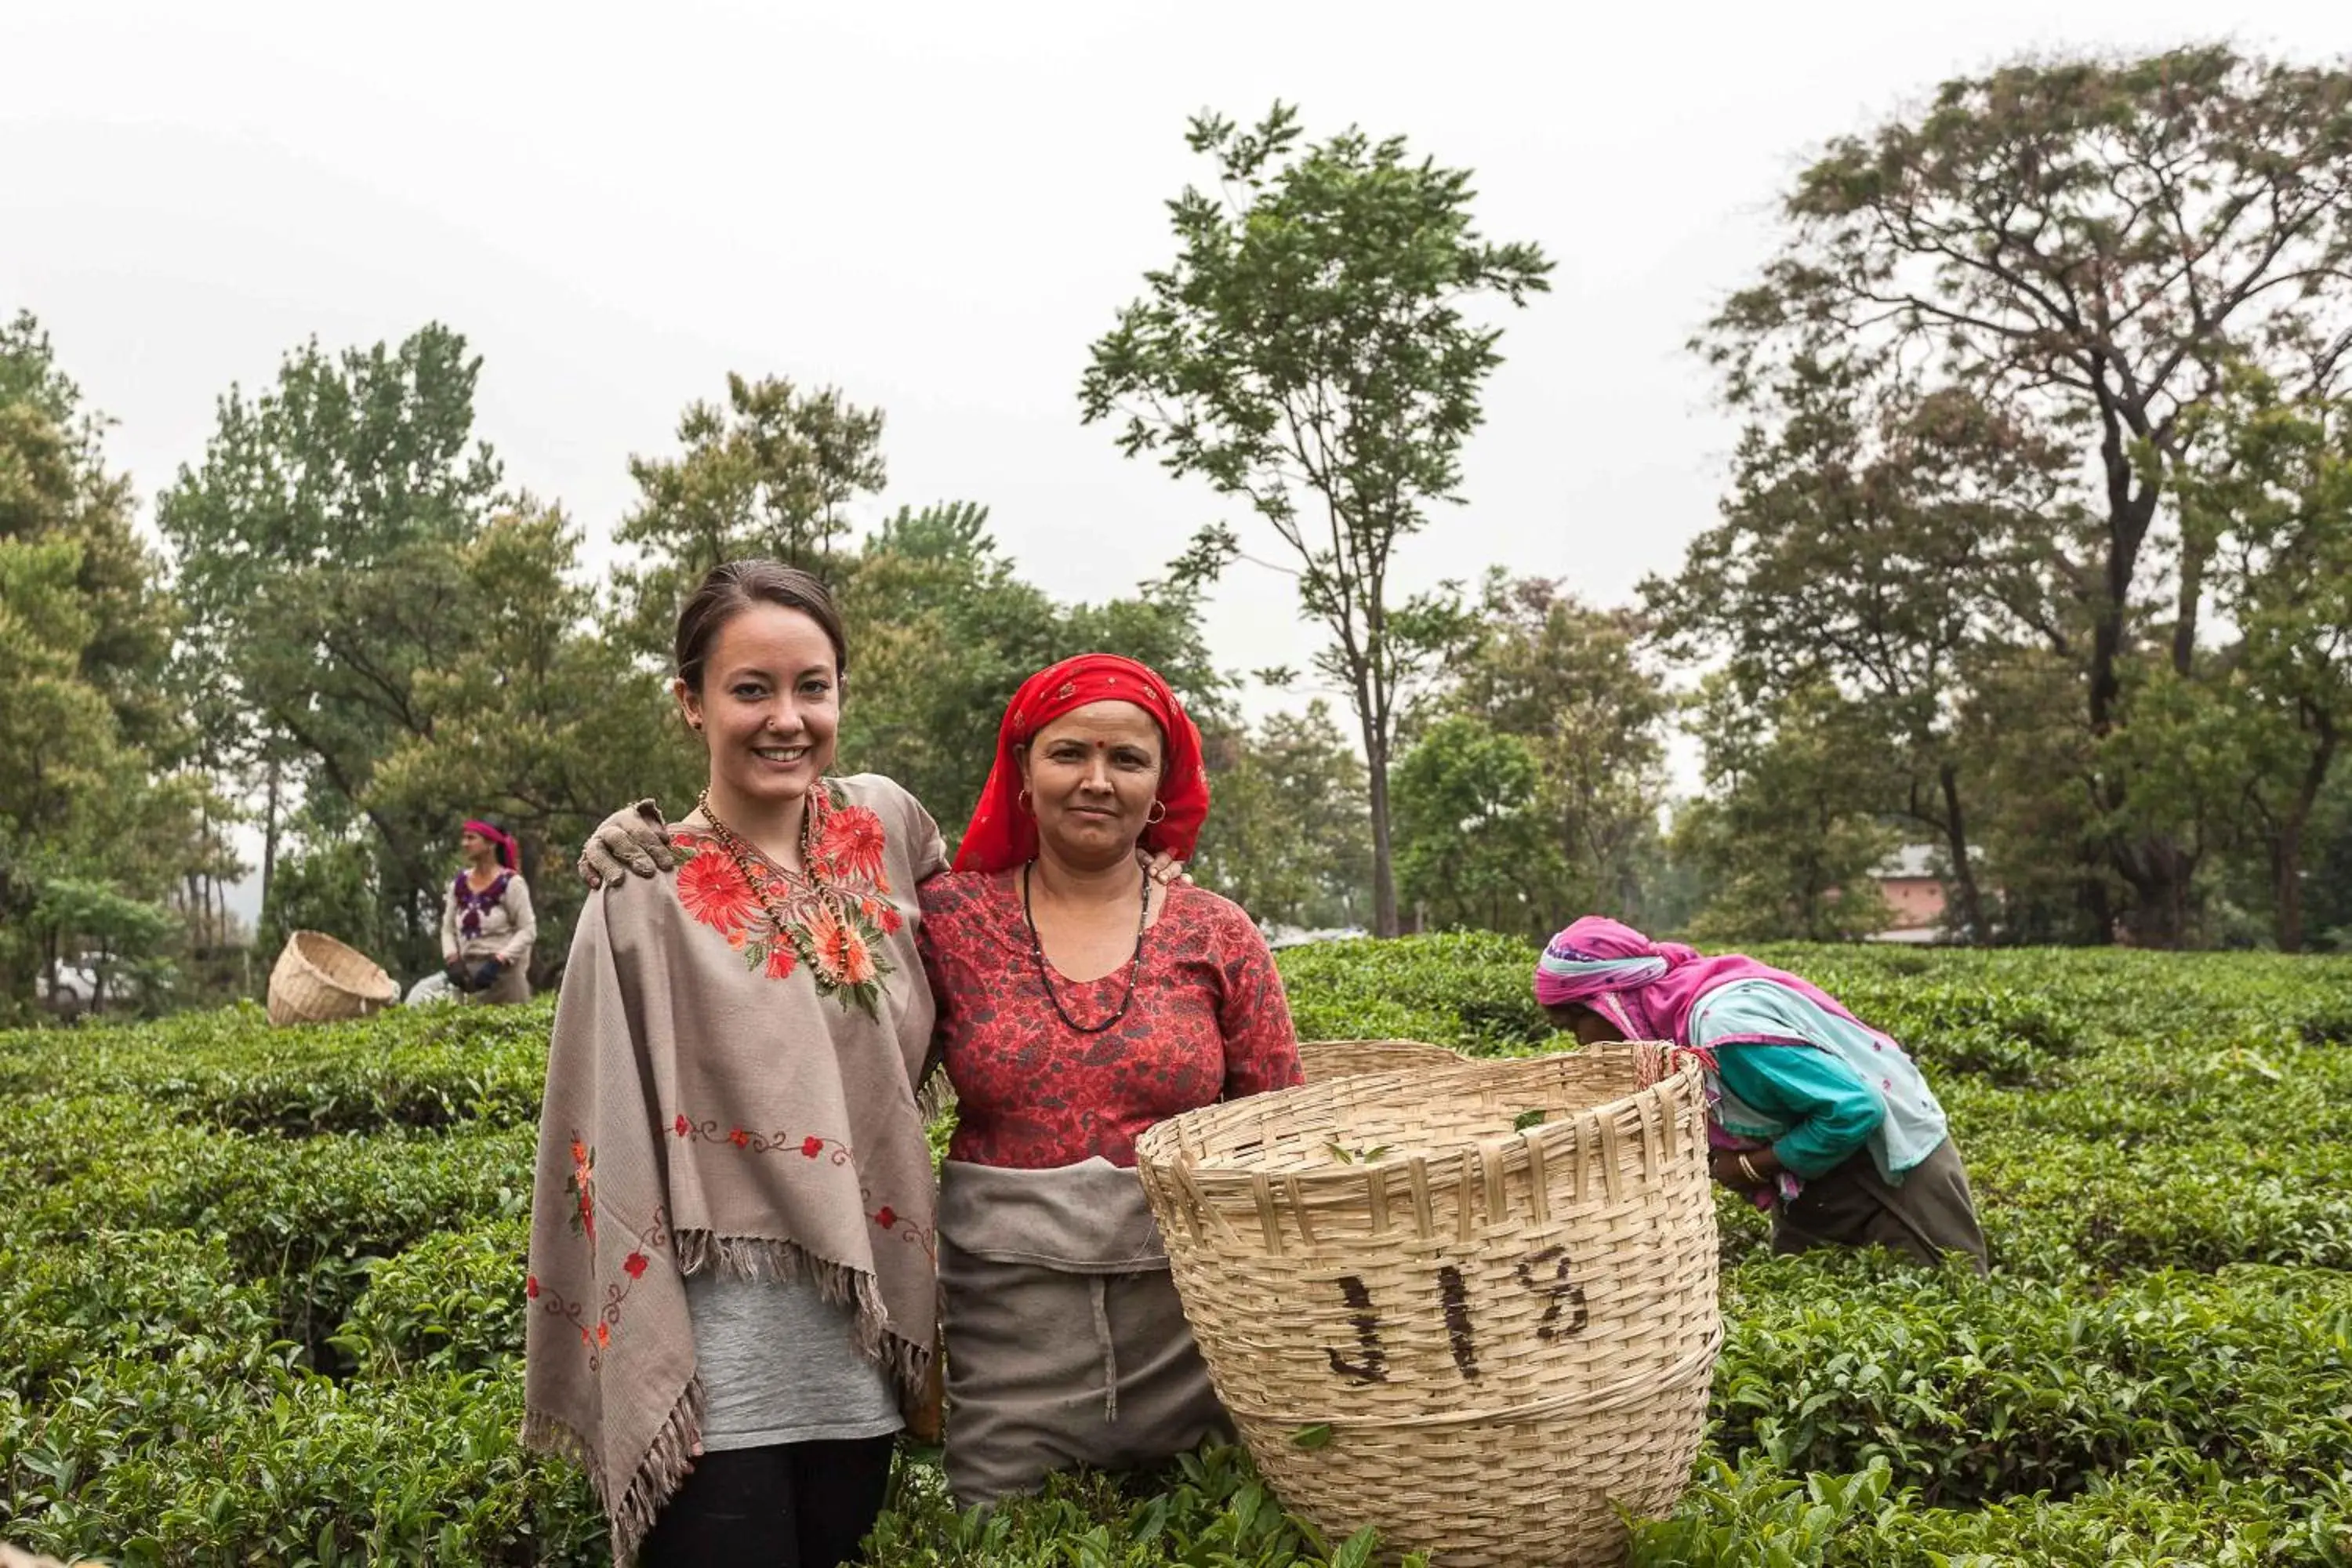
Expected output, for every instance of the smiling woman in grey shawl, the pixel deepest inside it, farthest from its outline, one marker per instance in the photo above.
(733, 1261)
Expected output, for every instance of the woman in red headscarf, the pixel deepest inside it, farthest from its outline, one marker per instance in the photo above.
(1080, 1000)
(487, 926)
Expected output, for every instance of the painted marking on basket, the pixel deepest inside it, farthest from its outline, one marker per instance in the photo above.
(1374, 1367)
(1456, 1300)
(1544, 1274)
(1560, 1288)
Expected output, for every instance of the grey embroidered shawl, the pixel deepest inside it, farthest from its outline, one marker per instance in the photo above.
(731, 1089)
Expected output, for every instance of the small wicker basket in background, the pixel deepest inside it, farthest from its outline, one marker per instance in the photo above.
(1323, 1061)
(318, 979)
(1428, 1311)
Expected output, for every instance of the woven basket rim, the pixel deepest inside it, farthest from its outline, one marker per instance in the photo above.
(1385, 1040)
(1161, 1146)
(1323, 1061)
(371, 982)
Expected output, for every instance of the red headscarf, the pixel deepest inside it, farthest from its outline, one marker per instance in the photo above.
(1004, 832)
(501, 842)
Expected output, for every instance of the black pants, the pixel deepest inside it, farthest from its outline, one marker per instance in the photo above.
(798, 1505)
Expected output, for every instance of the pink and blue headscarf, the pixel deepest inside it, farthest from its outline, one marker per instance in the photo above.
(1648, 989)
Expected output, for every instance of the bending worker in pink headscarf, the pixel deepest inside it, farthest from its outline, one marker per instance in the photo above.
(1812, 1112)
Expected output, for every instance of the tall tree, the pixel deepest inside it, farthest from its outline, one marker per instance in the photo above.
(1290, 839)
(943, 632)
(1787, 834)
(97, 824)
(2328, 902)
(2028, 758)
(542, 721)
(57, 486)
(1475, 842)
(1885, 543)
(2082, 245)
(58, 744)
(1308, 351)
(1571, 682)
(773, 473)
(317, 554)
(2267, 496)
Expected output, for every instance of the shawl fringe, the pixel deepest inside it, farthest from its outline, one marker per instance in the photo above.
(655, 1479)
(767, 1257)
(935, 1097)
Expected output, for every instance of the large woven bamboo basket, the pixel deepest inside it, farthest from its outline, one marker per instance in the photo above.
(1482, 1338)
(1323, 1061)
(318, 979)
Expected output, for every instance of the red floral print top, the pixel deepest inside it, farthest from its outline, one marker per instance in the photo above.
(1208, 1021)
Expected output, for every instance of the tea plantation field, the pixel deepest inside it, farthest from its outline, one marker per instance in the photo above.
(260, 1292)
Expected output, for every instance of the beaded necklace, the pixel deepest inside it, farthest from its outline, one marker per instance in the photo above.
(739, 852)
(1045, 975)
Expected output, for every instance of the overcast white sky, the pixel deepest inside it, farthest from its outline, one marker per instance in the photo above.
(938, 208)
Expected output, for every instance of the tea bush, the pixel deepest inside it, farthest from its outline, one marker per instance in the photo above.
(307, 1217)
(430, 1068)
(303, 1470)
(259, 1292)
(446, 1304)
(1471, 990)
(1208, 1507)
(145, 1295)
(1757, 1515)
(2011, 1038)
(1976, 1391)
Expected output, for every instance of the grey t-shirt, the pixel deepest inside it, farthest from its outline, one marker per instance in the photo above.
(778, 1364)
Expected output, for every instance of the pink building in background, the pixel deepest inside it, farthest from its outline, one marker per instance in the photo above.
(1912, 889)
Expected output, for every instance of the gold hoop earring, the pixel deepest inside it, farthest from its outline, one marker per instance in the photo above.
(1161, 807)
(1021, 803)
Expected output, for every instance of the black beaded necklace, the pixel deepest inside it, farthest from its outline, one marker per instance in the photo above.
(1045, 975)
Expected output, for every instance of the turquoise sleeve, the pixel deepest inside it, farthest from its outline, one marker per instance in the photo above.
(1832, 1110)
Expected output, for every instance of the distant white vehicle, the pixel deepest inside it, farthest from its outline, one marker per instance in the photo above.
(73, 992)
(1278, 937)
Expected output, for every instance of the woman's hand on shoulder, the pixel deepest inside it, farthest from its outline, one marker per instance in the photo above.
(631, 842)
(1164, 868)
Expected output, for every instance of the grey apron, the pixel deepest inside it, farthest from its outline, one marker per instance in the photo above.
(1066, 1343)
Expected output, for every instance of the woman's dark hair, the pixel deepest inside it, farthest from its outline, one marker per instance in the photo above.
(734, 586)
